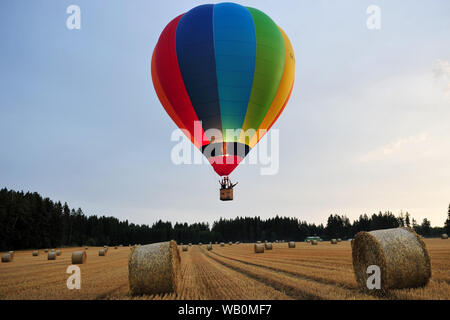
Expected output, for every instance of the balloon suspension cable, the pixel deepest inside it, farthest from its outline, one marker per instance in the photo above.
(226, 183)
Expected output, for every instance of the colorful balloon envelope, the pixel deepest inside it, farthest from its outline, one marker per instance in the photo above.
(224, 73)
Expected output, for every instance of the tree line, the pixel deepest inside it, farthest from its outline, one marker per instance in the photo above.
(27, 220)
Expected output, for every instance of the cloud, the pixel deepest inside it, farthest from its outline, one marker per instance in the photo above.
(403, 148)
(441, 71)
(441, 68)
(390, 148)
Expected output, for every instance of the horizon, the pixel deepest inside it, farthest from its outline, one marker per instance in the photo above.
(366, 129)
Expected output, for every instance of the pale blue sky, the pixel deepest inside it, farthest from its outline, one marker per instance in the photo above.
(367, 127)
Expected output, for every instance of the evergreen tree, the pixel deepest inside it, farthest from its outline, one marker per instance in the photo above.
(407, 221)
(425, 227)
(401, 219)
(447, 222)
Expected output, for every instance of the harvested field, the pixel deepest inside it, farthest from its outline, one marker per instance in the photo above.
(229, 272)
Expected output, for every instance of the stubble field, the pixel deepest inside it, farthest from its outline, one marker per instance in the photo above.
(232, 272)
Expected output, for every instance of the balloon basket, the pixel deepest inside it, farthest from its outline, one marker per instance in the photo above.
(226, 194)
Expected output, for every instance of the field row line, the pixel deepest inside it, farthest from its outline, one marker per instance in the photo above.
(294, 286)
(292, 273)
(277, 285)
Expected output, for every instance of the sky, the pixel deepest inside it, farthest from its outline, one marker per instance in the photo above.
(367, 128)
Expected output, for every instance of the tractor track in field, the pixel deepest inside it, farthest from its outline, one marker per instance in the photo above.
(330, 266)
(293, 274)
(213, 280)
(294, 286)
(288, 290)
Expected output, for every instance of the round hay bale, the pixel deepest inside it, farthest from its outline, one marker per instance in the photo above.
(7, 257)
(237, 242)
(11, 253)
(259, 248)
(268, 246)
(102, 252)
(444, 236)
(400, 254)
(230, 243)
(209, 247)
(339, 239)
(35, 253)
(154, 269)
(291, 244)
(45, 250)
(58, 252)
(334, 241)
(258, 241)
(222, 244)
(190, 244)
(79, 257)
(185, 248)
(200, 244)
(51, 255)
(314, 242)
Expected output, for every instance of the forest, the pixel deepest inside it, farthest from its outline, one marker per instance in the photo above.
(28, 220)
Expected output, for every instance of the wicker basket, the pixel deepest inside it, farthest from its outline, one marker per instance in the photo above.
(226, 194)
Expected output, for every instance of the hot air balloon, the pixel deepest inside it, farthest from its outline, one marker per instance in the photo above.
(224, 73)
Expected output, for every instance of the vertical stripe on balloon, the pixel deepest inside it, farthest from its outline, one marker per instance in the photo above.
(235, 54)
(196, 58)
(269, 66)
(283, 92)
(169, 84)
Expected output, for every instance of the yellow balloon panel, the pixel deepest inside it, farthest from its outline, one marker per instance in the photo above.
(281, 97)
